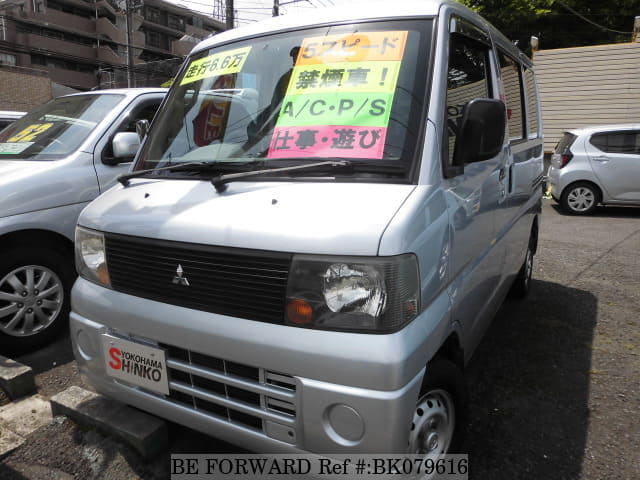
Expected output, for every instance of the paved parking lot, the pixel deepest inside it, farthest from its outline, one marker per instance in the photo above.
(554, 386)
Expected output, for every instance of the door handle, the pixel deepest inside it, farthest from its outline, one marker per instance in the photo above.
(601, 159)
(503, 190)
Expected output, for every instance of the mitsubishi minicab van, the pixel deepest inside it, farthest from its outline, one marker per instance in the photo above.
(53, 162)
(320, 225)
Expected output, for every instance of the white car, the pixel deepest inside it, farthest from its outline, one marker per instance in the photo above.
(596, 165)
(7, 117)
(53, 162)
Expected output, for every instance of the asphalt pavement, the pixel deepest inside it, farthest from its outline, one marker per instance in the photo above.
(554, 386)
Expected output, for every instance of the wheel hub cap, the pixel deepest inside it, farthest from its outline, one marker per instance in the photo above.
(581, 199)
(433, 423)
(432, 441)
(31, 298)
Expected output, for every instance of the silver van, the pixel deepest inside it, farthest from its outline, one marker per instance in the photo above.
(319, 227)
(53, 162)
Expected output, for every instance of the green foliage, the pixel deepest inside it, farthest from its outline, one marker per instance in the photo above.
(556, 25)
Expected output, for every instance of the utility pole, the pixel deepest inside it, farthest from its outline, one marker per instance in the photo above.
(131, 81)
(230, 18)
(276, 8)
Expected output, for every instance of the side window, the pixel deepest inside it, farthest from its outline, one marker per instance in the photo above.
(143, 111)
(617, 142)
(512, 82)
(599, 140)
(532, 105)
(467, 78)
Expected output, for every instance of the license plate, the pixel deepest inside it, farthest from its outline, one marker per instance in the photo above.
(136, 363)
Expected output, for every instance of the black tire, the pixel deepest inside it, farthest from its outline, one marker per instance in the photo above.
(580, 198)
(48, 310)
(522, 283)
(433, 410)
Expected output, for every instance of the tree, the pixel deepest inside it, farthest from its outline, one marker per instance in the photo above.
(560, 23)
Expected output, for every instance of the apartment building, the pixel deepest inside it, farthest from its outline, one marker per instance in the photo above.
(83, 43)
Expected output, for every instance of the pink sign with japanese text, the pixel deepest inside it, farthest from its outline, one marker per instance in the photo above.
(339, 97)
(328, 141)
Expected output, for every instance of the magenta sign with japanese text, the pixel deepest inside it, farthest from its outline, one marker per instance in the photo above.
(339, 97)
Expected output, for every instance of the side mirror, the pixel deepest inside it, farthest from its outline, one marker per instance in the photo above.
(142, 127)
(125, 146)
(481, 131)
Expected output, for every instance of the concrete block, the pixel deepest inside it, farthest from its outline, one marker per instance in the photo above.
(26, 415)
(16, 379)
(9, 441)
(143, 432)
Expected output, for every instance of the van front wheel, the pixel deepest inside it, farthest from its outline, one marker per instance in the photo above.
(439, 418)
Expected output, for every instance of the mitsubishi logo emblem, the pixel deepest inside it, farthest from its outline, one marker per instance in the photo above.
(179, 279)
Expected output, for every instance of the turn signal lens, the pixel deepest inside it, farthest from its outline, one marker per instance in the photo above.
(300, 312)
(103, 274)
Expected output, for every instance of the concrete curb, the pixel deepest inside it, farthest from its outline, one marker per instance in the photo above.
(16, 379)
(145, 433)
(9, 441)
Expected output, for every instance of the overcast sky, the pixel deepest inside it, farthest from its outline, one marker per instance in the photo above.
(251, 10)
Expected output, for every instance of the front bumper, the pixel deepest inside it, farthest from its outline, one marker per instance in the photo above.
(292, 414)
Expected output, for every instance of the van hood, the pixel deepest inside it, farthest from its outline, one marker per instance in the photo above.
(28, 186)
(297, 217)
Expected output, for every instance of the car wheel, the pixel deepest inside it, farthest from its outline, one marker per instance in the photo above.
(522, 283)
(439, 419)
(580, 198)
(35, 287)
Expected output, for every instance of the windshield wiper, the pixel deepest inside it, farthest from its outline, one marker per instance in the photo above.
(187, 167)
(124, 179)
(220, 182)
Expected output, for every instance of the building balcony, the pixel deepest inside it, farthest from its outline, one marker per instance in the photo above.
(47, 45)
(197, 32)
(109, 30)
(68, 21)
(88, 5)
(162, 28)
(181, 47)
(107, 55)
(70, 78)
(107, 6)
(112, 32)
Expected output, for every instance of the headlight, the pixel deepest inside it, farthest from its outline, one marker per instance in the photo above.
(91, 259)
(372, 294)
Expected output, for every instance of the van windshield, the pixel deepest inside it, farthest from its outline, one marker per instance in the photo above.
(352, 91)
(55, 129)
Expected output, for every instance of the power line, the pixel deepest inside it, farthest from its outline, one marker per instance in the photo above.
(602, 27)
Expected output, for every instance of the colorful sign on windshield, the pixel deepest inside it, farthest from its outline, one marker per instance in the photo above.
(223, 63)
(30, 133)
(26, 137)
(338, 100)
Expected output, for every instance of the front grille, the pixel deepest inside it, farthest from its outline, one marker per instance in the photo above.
(249, 284)
(230, 391)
